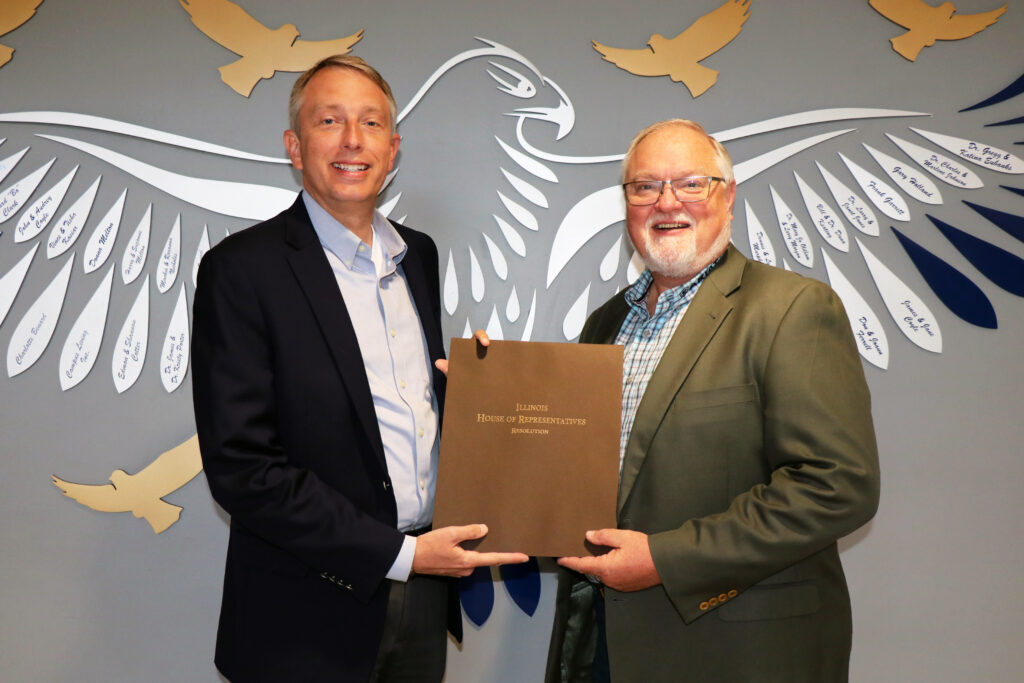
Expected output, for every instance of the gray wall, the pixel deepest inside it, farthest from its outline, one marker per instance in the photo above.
(88, 596)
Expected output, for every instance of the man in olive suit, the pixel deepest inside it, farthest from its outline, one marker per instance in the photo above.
(747, 451)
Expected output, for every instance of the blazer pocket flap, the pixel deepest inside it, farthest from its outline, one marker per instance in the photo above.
(775, 601)
(744, 393)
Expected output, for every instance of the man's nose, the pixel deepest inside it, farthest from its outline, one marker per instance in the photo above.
(667, 200)
(352, 136)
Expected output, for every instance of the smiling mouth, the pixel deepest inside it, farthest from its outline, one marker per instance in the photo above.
(671, 226)
(350, 167)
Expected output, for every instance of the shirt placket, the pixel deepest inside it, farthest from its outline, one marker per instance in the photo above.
(408, 377)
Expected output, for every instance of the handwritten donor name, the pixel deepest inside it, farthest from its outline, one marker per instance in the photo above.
(81, 355)
(174, 358)
(867, 337)
(915, 321)
(35, 220)
(885, 198)
(34, 332)
(102, 240)
(989, 156)
(794, 235)
(858, 214)
(949, 171)
(901, 174)
(131, 350)
(761, 248)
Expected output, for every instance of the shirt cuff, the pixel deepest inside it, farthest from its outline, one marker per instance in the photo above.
(401, 568)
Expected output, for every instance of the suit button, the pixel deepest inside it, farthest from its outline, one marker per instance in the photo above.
(713, 601)
(723, 597)
(733, 593)
(704, 606)
(386, 485)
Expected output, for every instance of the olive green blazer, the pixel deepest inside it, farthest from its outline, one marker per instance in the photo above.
(752, 452)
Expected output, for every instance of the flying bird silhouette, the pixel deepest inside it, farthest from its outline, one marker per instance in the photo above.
(14, 13)
(263, 51)
(927, 24)
(141, 493)
(678, 57)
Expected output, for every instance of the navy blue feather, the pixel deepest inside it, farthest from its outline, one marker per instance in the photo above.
(954, 289)
(995, 263)
(1012, 90)
(477, 594)
(522, 581)
(1009, 222)
(1008, 122)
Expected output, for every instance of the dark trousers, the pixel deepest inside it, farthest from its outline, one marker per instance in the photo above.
(414, 642)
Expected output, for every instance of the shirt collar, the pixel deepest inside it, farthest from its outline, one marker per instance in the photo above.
(344, 244)
(670, 299)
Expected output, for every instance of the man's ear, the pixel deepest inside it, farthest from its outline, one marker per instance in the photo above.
(396, 140)
(731, 197)
(291, 144)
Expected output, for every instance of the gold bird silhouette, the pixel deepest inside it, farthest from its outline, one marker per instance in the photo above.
(263, 50)
(678, 57)
(141, 493)
(14, 13)
(928, 24)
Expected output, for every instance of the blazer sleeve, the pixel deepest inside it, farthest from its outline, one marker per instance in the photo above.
(819, 447)
(250, 475)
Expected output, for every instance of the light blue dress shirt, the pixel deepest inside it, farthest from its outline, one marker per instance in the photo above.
(398, 366)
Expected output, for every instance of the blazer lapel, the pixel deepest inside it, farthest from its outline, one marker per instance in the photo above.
(424, 297)
(701, 321)
(313, 272)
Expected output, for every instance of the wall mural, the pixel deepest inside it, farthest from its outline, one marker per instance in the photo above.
(916, 170)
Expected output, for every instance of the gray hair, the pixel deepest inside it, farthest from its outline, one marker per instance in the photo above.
(724, 160)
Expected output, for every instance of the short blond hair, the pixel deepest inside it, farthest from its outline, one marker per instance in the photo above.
(350, 62)
(724, 160)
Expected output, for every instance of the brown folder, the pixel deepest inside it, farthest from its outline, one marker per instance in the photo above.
(530, 444)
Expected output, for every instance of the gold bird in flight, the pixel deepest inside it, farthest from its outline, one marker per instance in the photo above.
(927, 24)
(14, 13)
(263, 51)
(678, 57)
(141, 493)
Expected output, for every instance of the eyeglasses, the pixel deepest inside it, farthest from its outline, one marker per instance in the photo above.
(693, 189)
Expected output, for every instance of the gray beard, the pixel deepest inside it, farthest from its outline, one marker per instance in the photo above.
(668, 260)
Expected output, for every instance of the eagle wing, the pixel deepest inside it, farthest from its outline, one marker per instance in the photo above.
(641, 62)
(964, 25)
(102, 497)
(305, 53)
(14, 13)
(713, 31)
(906, 13)
(171, 470)
(227, 24)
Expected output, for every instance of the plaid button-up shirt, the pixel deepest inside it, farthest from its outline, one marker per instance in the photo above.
(646, 337)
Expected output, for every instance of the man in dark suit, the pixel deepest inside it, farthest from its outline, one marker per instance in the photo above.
(317, 405)
(747, 451)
